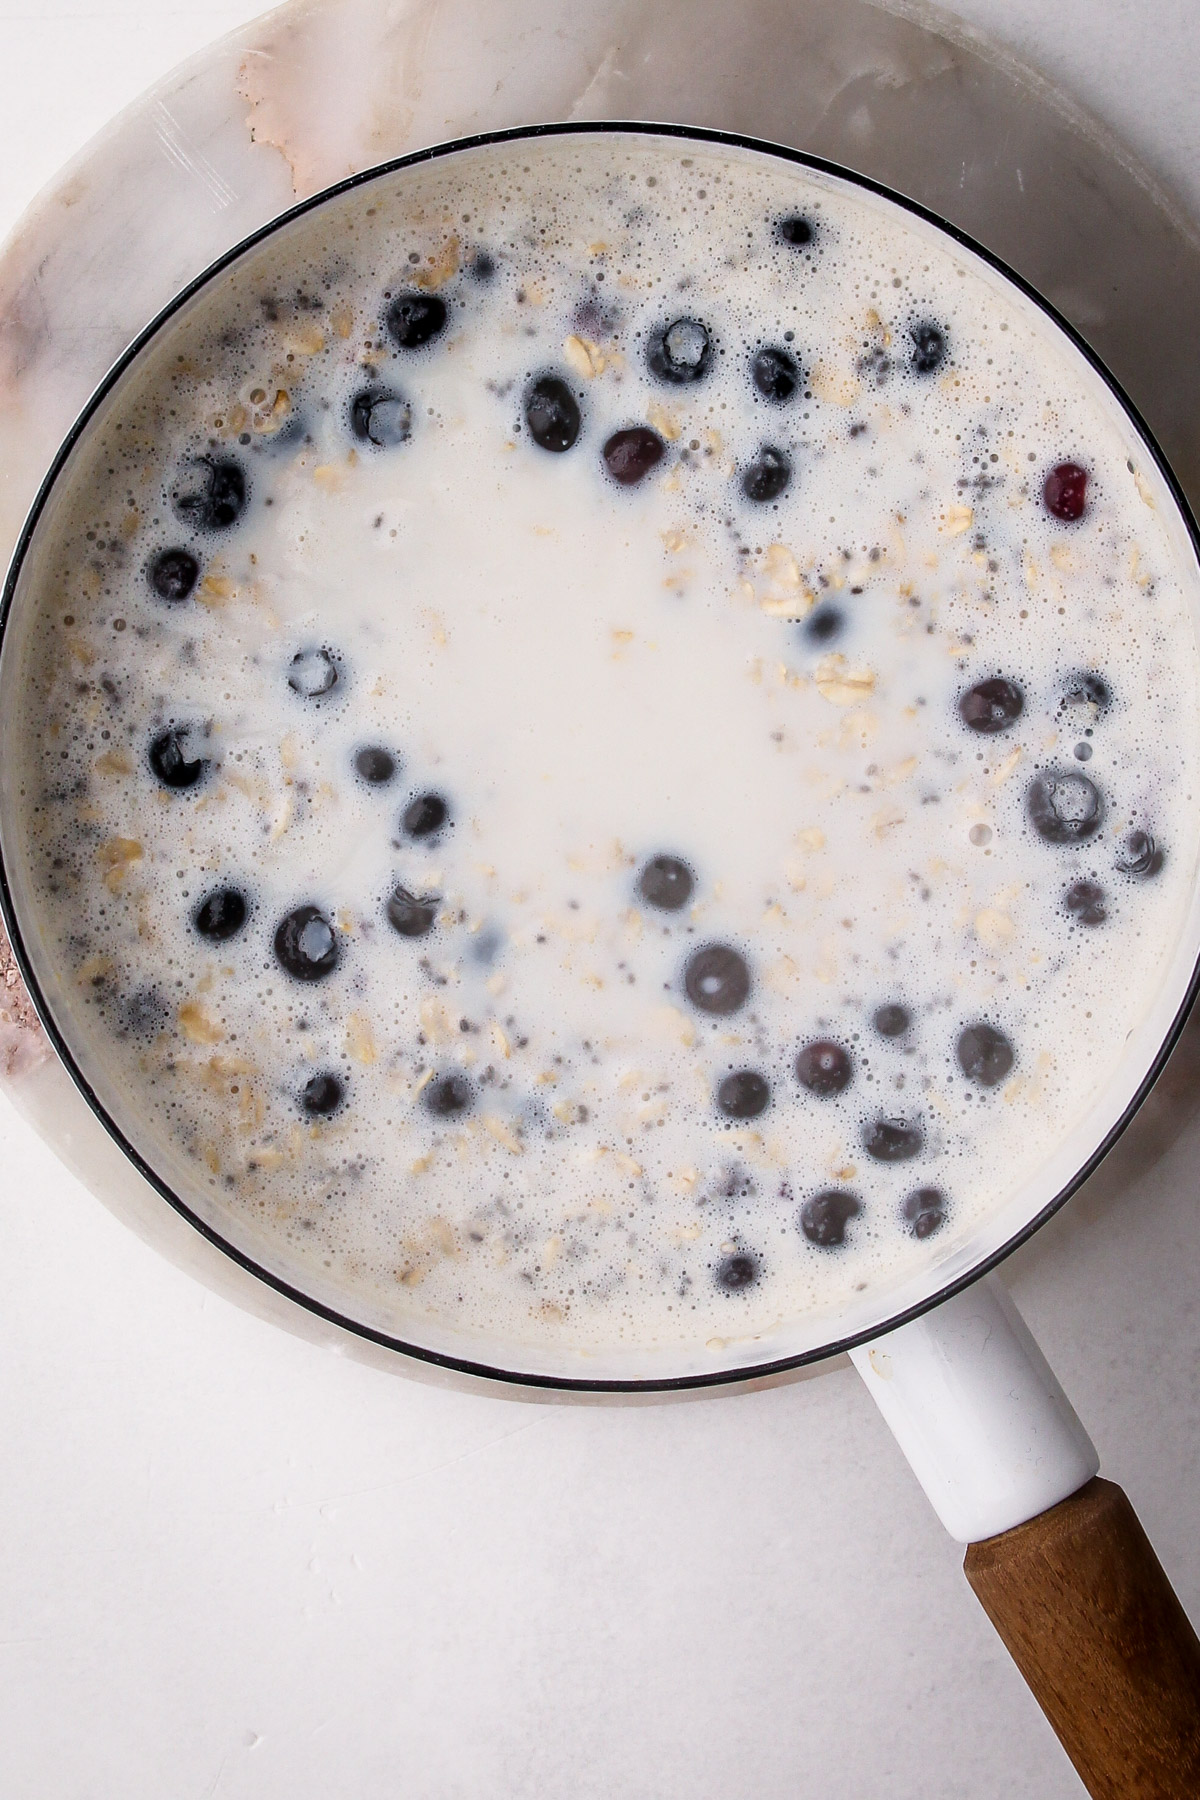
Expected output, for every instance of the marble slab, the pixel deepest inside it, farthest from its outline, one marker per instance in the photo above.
(236, 1565)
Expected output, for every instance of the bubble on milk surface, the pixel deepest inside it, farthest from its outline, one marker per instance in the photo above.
(533, 1108)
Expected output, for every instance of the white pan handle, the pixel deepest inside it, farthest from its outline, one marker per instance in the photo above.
(977, 1411)
(1056, 1557)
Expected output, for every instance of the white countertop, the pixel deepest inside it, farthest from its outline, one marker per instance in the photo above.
(233, 1564)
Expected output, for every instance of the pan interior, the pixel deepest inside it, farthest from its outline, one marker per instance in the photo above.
(596, 756)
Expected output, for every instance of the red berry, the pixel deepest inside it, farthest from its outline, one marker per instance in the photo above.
(1065, 491)
(630, 455)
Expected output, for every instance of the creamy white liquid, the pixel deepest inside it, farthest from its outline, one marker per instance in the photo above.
(591, 676)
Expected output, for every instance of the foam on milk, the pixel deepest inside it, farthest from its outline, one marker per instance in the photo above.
(590, 677)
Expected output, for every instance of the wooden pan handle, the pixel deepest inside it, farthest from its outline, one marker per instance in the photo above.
(1082, 1603)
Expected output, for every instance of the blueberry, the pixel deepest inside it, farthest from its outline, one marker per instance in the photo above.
(984, 1054)
(322, 1094)
(824, 1068)
(424, 815)
(170, 761)
(824, 1218)
(679, 352)
(1087, 689)
(374, 764)
(630, 455)
(741, 1270)
(892, 1020)
(991, 705)
(313, 673)
(743, 1095)
(1140, 855)
(1064, 491)
(666, 882)
(1064, 806)
(892, 1140)
(212, 494)
(173, 574)
(448, 1095)
(767, 476)
(716, 979)
(483, 266)
(552, 413)
(305, 944)
(924, 1211)
(824, 624)
(1086, 902)
(775, 373)
(221, 914)
(411, 916)
(380, 417)
(414, 319)
(929, 347)
(794, 230)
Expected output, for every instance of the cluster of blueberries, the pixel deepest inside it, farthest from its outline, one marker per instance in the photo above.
(1065, 806)
(213, 492)
(717, 981)
(679, 353)
(307, 948)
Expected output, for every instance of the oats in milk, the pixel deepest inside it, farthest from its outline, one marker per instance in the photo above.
(603, 718)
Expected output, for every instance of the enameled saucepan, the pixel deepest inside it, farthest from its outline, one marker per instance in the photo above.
(1055, 1554)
